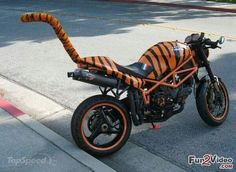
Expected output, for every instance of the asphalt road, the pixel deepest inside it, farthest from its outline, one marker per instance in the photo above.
(31, 55)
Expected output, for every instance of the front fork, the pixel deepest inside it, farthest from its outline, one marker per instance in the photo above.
(213, 78)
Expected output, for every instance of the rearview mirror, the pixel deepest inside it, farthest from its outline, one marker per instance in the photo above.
(221, 40)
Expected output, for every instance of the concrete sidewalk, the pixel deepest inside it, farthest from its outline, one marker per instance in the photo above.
(57, 118)
(27, 145)
(34, 59)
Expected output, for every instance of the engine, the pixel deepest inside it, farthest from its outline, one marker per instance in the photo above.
(166, 101)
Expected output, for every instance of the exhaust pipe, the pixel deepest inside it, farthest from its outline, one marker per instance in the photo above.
(92, 78)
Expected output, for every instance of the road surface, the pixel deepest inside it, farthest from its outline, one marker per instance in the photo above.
(32, 56)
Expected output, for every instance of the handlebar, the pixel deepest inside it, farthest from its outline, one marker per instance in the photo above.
(212, 44)
(196, 39)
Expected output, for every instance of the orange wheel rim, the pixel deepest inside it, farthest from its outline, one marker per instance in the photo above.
(222, 115)
(121, 113)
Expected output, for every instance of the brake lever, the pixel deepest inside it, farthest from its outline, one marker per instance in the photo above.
(211, 47)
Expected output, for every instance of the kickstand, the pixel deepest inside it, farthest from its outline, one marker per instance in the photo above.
(155, 126)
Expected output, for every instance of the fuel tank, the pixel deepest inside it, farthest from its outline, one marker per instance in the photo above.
(164, 57)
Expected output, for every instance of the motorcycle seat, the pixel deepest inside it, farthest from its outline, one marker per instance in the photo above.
(136, 69)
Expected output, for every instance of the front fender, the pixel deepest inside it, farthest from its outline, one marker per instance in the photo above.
(203, 85)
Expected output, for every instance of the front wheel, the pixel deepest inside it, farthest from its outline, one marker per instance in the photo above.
(101, 125)
(213, 103)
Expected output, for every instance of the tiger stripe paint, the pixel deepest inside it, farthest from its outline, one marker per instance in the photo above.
(102, 64)
(154, 54)
(89, 60)
(113, 65)
(61, 34)
(149, 60)
(177, 53)
(108, 65)
(166, 48)
(171, 50)
(173, 60)
(164, 56)
(188, 54)
(97, 62)
(168, 55)
(163, 59)
(119, 75)
(155, 63)
(127, 79)
(151, 75)
(184, 54)
(135, 81)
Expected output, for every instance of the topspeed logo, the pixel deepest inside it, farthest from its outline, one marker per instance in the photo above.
(208, 160)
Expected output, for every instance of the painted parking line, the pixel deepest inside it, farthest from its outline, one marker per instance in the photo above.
(178, 29)
(11, 109)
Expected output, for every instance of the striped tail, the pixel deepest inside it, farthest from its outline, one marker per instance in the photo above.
(61, 34)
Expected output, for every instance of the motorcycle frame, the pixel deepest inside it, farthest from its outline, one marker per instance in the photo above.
(44, 17)
(155, 83)
(104, 72)
(163, 82)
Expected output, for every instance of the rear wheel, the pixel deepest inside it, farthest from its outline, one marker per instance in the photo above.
(100, 125)
(213, 104)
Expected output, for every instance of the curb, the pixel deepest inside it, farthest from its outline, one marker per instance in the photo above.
(55, 139)
(12, 110)
(178, 5)
(139, 159)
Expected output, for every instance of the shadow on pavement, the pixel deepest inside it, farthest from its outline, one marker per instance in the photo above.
(86, 18)
(186, 134)
(183, 134)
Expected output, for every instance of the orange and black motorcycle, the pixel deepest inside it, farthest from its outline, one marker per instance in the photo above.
(148, 91)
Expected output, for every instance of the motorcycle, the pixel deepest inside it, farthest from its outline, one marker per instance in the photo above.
(151, 90)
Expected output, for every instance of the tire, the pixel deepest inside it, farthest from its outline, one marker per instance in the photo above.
(203, 107)
(82, 112)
